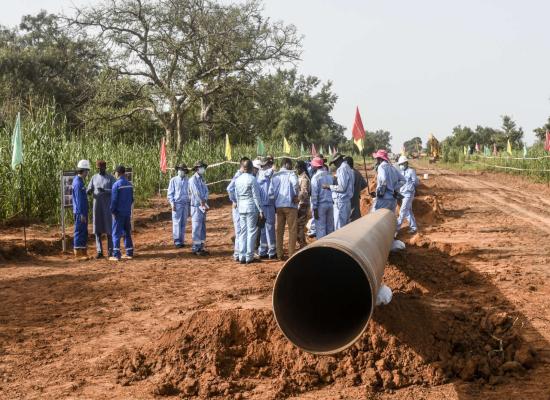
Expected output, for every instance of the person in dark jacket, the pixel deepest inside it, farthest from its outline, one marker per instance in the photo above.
(359, 185)
(122, 198)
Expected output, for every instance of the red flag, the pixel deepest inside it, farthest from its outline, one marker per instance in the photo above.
(358, 130)
(477, 147)
(547, 143)
(313, 150)
(163, 163)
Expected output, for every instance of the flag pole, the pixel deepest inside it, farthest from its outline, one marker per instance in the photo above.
(22, 180)
(365, 162)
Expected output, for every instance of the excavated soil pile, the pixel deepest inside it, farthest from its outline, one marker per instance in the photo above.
(426, 206)
(226, 353)
(11, 250)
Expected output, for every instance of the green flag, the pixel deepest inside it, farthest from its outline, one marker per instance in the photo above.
(261, 148)
(17, 144)
(322, 151)
(302, 149)
(524, 150)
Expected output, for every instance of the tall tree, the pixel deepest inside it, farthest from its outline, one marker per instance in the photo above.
(511, 131)
(413, 145)
(280, 104)
(41, 62)
(185, 50)
(380, 139)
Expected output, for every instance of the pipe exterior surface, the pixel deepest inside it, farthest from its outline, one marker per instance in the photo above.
(325, 294)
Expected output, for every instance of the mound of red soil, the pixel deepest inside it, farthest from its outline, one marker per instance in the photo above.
(226, 353)
(427, 209)
(11, 250)
(426, 206)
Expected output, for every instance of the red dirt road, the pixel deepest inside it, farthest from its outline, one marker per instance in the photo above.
(97, 330)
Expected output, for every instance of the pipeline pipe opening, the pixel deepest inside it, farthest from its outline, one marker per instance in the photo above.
(322, 300)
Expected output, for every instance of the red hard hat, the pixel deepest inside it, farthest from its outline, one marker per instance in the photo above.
(383, 154)
(317, 162)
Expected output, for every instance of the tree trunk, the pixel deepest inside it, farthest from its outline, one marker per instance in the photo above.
(207, 130)
(169, 134)
(179, 129)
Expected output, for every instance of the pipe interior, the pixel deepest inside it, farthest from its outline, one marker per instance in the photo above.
(322, 299)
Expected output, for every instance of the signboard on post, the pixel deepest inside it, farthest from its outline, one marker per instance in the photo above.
(66, 201)
(129, 174)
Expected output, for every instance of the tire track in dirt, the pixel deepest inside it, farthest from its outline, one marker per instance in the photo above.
(510, 206)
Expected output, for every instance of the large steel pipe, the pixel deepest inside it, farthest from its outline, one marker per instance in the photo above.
(325, 294)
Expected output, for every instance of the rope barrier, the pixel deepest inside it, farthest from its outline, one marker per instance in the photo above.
(512, 168)
(220, 163)
(515, 158)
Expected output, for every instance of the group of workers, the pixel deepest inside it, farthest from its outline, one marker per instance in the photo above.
(113, 197)
(266, 202)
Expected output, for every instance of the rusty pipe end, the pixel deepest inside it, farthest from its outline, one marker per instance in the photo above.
(322, 299)
(324, 295)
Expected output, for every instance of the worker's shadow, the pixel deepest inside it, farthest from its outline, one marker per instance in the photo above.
(449, 314)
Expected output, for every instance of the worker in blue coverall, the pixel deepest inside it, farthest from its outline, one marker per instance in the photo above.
(247, 193)
(321, 200)
(267, 232)
(122, 198)
(407, 191)
(388, 182)
(80, 210)
(234, 211)
(178, 196)
(342, 191)
(199, 207)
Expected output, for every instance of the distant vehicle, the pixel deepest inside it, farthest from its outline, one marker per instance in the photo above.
(434, 148)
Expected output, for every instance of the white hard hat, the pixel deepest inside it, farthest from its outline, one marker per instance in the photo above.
(402, 160)
(83, 164)
(257, 164)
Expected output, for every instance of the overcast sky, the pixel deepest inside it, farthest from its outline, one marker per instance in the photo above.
(414, 67)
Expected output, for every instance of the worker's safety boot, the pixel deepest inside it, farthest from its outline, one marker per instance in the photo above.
(81, 254)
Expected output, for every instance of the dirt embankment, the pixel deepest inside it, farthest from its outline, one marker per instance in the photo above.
(426, 205)
(226, 353)
(468, 317)
(236, 353)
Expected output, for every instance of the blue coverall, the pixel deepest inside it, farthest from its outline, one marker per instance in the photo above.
(122, 198)
(235, 213)
(343, 192)
(80, 211)
(388, 180)
(408, 190)
(247, 193)
(178, 196)
(267, 233)
(321, 200)
(199, 194)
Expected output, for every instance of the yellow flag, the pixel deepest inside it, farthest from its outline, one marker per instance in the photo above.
(509, 147)
(286, 146)
(227, 148)
(359, 144)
